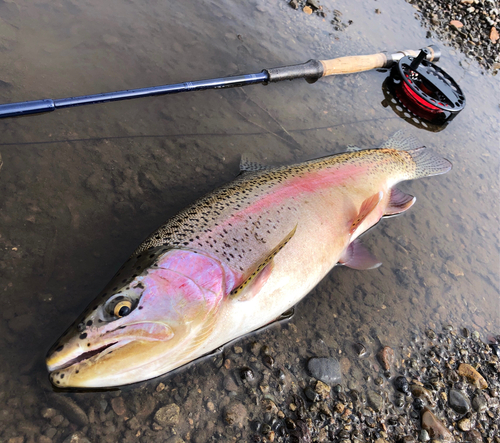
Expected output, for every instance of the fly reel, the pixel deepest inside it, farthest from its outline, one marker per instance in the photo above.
(426, 90)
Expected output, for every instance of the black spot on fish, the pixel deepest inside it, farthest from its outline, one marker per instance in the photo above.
(89, 323)
(140, 307)
(84, 335)
(62, 375)
(81, 327)
(77, 371)
(59, 348)
(88, 344)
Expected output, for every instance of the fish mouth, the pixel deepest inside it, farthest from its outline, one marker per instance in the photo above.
(82, 357)
(77, 361)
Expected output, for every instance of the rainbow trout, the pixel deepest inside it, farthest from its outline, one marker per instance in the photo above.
(234, 261)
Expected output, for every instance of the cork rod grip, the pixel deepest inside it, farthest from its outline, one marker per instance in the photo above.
(348, 65)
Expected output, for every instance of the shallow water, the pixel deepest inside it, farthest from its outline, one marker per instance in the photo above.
(80, 188)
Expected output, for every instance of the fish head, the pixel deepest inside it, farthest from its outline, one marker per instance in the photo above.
(139, 328)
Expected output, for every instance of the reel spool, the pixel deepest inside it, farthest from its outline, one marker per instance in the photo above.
(426, 90)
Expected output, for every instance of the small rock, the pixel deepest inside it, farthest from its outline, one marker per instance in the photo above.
(16, 440)
(325, 369)
(322, 389)
(473, 436)
(420, 392)
(386, 357)
(160, 387)
(458, 402)
(247, 374)
(311, 394)
(472, 375)
(479, 403)
(456, 24)
(375, 401)
(168, 415)
(401, 385)
(118, 406)
(339, 408)
(133, 423)
(270, 406)
(235, 414)
(294, 4)
(424, 435)
(313, 4)
(77, 437)
(48, 412)
(494, 34)
(74, 413)
(307, 9)
(229, 384)
(434, 426)
(465, 424)
(238, 350)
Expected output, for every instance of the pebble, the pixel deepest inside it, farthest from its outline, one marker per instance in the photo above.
(77, 437)
(386, 357)
(479, 403)
(235, 414)
(465, 424)
(118, 406)
(458, 402)
(307, 9)
(322, 389)
(229, 384)
(401, 385)
(434, 426)
(168, 415)
(74, 413)
(420, 392)
(325, 369)
(48, 412)
(375, 401)
(472, 375)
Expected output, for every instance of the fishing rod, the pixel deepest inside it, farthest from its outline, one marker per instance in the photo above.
(311, 71)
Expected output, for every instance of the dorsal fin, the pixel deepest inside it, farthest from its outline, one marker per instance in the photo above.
(366, 208)
(401, 141)
(248, 164)
(254, 282)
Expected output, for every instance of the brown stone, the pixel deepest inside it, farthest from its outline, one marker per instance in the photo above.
(322, 389)
(118, 406)
(435, 427)
(386, 357)
(307, 10)
(494, 34)
(472, 376)
(456, 24)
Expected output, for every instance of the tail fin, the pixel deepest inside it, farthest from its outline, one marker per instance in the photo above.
(428, 163)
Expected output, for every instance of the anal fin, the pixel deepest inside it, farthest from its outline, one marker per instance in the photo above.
(356, 256)
(256, 280)
(398, 202)
(366, 208)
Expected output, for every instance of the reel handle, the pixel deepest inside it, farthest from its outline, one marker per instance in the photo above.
(360, 63)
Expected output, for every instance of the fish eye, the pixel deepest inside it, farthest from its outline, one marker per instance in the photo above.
(122, 308)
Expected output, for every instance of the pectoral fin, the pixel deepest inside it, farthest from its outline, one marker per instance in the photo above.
(256, 280)
(366, 208)
(399, 202)
(356, 256)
